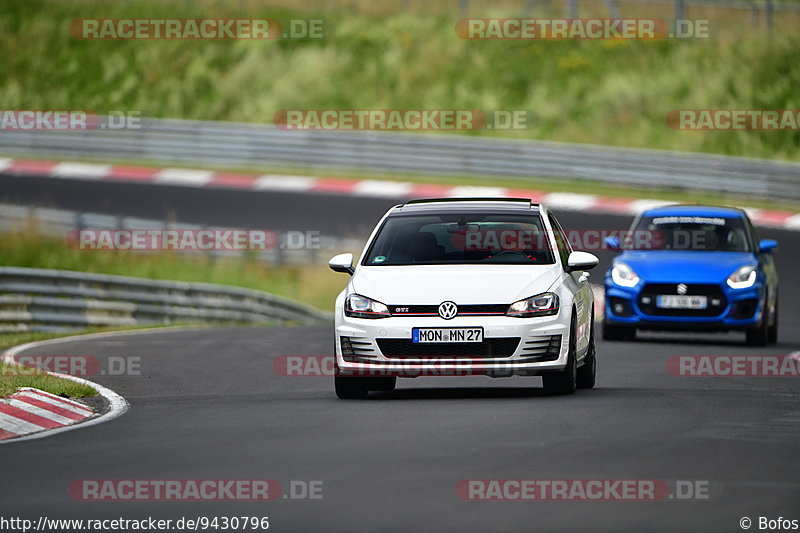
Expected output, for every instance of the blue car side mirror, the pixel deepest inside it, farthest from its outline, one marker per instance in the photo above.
(612, 243)
(767, 246)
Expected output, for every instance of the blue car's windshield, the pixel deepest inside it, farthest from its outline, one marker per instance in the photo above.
(695, 233)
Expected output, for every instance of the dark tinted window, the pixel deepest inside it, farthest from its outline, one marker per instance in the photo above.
(564, 247)
(460, 238)
(697, 233)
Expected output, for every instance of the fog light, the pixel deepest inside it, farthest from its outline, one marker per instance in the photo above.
(619, 306)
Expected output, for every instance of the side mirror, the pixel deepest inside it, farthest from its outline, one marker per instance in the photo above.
(342, 263)
(612, 243)
(767, 246)
(581, 261)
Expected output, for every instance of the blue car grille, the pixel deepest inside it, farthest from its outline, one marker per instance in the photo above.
(649, 296)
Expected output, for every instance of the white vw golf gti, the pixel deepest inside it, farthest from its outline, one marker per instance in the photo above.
(484, 286)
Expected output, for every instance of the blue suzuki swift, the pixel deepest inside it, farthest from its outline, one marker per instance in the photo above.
(692, 268)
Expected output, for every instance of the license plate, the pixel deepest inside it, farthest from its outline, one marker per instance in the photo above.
(434, 335)
(671, 301)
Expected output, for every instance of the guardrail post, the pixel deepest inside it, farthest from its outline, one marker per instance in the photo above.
(680, 10)
(769, 11)
(613, 9)
(279, 254)
(573, 8)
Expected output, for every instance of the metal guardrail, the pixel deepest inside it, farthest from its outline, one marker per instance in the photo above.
(58, 222)
(224, 143)
(48, 300)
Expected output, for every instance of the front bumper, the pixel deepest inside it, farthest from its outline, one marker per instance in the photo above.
(742, 309)
(543, 346)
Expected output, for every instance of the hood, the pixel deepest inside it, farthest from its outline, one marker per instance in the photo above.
(667, 266)
(463, 284)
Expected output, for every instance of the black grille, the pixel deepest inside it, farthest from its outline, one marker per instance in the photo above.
(354, 348)
(744, 309)
(716, 299)
(430, 310)
(493, 347)
(542, 348)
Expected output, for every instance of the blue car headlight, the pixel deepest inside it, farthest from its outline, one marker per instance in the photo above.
(743, 277)
(623, 275)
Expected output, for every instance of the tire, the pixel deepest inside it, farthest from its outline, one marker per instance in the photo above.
(759, 335)
(565, 381)
(618, 333)
(588, 371)
(351, 388)
(383, 383)
(772, 332)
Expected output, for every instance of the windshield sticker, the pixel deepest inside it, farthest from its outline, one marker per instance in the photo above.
(379, 259)
(689, 220)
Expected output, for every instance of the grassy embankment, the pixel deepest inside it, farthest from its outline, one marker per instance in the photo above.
(602, 92)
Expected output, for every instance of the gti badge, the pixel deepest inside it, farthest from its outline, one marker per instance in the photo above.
(682, 288)
(448, 310)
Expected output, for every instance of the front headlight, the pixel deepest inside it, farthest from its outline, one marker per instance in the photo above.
(361, 307)
(624, 275)
(540, 305)
(743, 277)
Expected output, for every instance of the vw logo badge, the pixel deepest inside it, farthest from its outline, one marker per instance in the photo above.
(682, 288)
(448, 310)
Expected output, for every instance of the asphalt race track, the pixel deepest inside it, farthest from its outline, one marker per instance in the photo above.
(209, 405)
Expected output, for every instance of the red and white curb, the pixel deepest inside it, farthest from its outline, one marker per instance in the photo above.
(31, 414)
(590, 203)
(32, 410)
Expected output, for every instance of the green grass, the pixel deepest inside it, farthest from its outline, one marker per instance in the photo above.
(315, 285)
(607, 92)
(13, 377)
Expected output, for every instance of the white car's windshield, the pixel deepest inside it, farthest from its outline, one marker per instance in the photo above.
(461, 238)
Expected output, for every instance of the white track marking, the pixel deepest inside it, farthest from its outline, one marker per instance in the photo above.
(67, 406)
(276, 182)
(477, 192)
(182, 176)
(16, 425)
(570, 201)
(388, 189)
(69, 169)
(38, 411)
